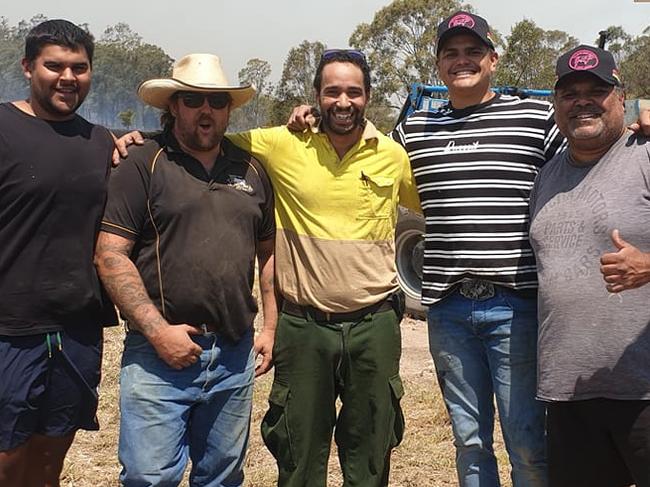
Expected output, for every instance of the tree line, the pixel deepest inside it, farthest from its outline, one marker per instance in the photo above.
(399, 43)
(121, 62)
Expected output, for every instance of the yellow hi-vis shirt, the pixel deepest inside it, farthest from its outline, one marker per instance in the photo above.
(335, 218)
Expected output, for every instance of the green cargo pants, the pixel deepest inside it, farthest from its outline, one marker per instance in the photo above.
(316, 362)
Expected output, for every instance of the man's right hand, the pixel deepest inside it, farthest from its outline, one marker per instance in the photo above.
(626, 268)
(123, 142)
(175, 345)
(302, 117)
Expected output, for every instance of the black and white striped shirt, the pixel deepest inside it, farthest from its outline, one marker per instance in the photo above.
(474, 169)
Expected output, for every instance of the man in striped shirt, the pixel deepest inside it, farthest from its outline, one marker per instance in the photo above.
(475, 161)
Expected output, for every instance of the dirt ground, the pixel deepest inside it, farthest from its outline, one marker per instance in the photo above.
(424, 459)
(416, 361)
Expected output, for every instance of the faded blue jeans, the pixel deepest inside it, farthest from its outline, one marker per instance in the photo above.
(201, 412)
(484, 350)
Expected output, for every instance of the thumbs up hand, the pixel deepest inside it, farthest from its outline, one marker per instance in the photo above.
(626, 268)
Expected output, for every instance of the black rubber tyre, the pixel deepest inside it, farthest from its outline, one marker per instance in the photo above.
(409, 254)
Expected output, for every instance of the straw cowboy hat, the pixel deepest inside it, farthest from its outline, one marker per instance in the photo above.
(194, 72)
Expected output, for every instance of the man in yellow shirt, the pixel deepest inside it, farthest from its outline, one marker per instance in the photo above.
(337, 189)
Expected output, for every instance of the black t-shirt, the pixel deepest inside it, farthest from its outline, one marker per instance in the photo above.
(53, 178)
(195, 233)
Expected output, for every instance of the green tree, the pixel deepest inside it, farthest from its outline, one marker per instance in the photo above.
(381, 115)
(126, 117)
(256, 112)
(530, 56)
(400, 45)
(121, 35)
(122, 62)
(256, 73)
(618, 42)
(24, 26)
(13, 84)
(635, 68)
(296, 84)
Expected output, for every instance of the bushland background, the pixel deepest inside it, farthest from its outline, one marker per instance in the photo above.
(399, 42)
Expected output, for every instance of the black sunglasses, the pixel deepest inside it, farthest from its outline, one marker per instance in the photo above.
(196, 100)
(353, 53)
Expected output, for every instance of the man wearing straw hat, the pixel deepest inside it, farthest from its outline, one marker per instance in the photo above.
(338, 336)
(185, 218)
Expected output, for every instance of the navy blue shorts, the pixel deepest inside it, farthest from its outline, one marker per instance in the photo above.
(48, 384)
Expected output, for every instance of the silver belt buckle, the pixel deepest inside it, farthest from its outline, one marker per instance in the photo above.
(477, 289)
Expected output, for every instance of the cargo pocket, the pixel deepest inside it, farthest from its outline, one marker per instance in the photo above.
(376, 197)
(275, 427)
(397, 431)
(391, 427)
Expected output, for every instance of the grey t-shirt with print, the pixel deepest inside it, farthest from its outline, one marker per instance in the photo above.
(591, 343)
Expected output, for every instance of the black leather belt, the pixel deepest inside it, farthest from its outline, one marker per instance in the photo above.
(318, 315)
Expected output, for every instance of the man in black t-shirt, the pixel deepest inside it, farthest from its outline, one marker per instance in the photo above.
(185, 218)
(53, 173)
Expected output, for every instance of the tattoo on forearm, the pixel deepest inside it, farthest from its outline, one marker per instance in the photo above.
(125, 287)
(269, 284)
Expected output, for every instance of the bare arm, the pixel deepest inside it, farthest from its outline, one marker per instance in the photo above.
(125, 287)
(265, 339)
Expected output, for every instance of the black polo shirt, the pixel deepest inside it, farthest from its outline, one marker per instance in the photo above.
(195, 233)
(53, 179)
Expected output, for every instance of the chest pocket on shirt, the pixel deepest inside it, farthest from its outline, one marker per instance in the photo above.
(376, 197)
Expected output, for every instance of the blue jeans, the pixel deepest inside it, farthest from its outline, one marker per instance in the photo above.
(201, 412)
(482, 350)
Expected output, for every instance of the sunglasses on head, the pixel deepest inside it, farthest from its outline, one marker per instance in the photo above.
(196, 100)
(353, 53)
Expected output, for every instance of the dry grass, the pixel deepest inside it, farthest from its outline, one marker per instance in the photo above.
(424, 459)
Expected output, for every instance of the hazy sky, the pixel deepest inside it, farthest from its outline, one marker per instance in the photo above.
(238, 30)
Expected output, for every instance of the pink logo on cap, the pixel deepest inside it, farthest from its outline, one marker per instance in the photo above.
(583, 60)
(461, 20)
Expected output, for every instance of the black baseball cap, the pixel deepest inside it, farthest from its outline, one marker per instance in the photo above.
(588, 59)
(464, 23)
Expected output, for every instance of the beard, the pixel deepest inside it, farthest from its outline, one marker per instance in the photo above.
(192, 136)
(198, 142)
(342, 127)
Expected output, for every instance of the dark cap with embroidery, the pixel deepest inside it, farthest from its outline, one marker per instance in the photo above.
(461, 23)
(588, 59)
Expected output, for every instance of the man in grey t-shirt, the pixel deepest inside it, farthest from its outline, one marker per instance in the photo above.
(590, 230)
